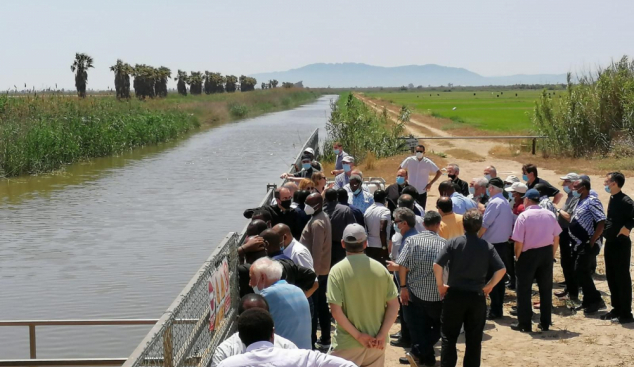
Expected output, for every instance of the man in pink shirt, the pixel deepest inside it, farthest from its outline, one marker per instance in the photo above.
(536, 236)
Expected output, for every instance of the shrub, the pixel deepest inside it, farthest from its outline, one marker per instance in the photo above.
(238, 110)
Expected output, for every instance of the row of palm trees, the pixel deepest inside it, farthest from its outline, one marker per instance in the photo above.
(152, 82)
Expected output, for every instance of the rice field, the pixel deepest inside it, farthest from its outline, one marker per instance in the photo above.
(499, 111)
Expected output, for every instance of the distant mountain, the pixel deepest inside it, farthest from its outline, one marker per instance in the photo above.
(362, 75)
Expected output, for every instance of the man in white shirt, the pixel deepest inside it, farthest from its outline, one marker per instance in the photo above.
(378, 220)
(294, 250)
(233, 346)
(419, 168)
(255, 328)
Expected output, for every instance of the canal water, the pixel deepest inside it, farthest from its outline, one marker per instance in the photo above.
(119, 237)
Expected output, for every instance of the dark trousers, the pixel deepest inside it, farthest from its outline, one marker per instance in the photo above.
(583, 256)
(458, 308)
(322, 312)
(535, 264)
(424, 320)
(618, 253)
(422, 200)
(510, 263)
(379, 254)
(497, 294)
(405, 335)
(567, 260)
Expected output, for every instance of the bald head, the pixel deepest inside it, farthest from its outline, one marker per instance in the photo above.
(402, 173)
(252, 300)
(256, 227)
(444, 205)
(406, 201)
(284, 232)
(291, 186)
(316, 201)
(446, 188)
(273, 240)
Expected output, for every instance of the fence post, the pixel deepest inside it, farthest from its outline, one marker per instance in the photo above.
(168, 353)
(32, 345)
(534, 144)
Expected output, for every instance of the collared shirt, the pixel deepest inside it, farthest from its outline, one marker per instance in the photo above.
(470, 259)
(418, 256)
(394, 192)
(289, 308)
(358, 214)
(279, 255)
(418, 172)
(376, 213)
(545, 203)
(536, 227)
(550, 190)
(463, 186)
(461, 204)
(398, 239)
(299, 254)
(342, 180)
(587, 214)
(498, 220)
(233, 346)
(361, 201)
(317, 237)
(340, 216)
(305, 173)
(339, 160)
(451, 226)
(569, 207)
(620, 214)
(263, 354)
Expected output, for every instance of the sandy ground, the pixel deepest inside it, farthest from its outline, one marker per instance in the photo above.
(574, 339)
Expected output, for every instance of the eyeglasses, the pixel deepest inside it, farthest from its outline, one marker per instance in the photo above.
(397, 221)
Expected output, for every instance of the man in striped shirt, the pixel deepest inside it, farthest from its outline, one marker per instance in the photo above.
(419, 293)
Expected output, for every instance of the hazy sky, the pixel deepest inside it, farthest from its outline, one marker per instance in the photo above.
(490, 37)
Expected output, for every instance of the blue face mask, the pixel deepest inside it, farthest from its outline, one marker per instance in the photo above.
(576, 194)
(488, 177)
(607, 189)
(471, 190)
(336, 151)
(567, 189)
(488, 194)
(400, 180)
(525, 178)
(306, 165)
(346, 167)
(396, 228)
(357, 191)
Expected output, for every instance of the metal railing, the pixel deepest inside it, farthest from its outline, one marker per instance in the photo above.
(413, 141)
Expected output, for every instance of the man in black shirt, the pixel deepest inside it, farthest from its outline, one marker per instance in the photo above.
(618, 249)
(395, 190)
(306, 172)
(281, 213)
(461, 187)
(340, 216)
(529, 174)
(470, 258)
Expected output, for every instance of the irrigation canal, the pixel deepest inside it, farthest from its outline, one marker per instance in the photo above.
(119, 237)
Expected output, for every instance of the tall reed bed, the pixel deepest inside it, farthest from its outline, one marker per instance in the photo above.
(42, 133)
(362, 131)
(595, 117)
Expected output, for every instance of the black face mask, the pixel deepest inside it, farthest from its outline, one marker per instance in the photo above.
(453, 177)
(286, 204)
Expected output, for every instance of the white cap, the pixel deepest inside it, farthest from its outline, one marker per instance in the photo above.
(517, 187)
(570, 177)
(347, 159)
(309, 150)
(511, 179)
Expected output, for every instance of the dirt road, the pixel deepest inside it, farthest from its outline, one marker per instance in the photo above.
(574, 339)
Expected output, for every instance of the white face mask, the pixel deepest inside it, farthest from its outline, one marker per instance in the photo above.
(309, 210)
(420, 155)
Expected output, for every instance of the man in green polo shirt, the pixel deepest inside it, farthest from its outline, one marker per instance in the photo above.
(363, 299)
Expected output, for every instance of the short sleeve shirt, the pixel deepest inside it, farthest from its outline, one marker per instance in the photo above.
(418, 172)
(373, 217)
(361, 287)
(549, 190)
(290, 311)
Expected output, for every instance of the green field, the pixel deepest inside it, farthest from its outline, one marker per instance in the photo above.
(484, 110)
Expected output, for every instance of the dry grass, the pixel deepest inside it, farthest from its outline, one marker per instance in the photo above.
(465, 154)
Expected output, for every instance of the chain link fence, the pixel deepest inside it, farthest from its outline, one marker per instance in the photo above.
(182, 336)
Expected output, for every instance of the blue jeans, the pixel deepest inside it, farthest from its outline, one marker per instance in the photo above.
(423, 322)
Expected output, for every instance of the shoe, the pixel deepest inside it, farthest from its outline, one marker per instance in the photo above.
(400, 342)
(542, 327)
(395, 335)
(493, 316)
(403, 360)
(430, 362)
(561, 294)
(514, 313)
(594, 308)
(322, 347)
(518, 327)
(626, 320)
(609, 316)
(580, 307)
(413, 361)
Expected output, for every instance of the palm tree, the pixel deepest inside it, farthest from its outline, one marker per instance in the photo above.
(195, 82)
(247, 83)
(163, 74)
(80, 67)
(122, 73)
(182, 79)
(273, 83)
(230, 85)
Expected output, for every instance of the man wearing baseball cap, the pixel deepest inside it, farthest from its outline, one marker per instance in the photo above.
(563, 217)
(497, 226)
(343, 178)
(311, 152)
(536, 236)
(363, 299)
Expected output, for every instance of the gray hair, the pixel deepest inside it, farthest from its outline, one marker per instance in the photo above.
(356, 177)
(492, 168)
(454, 166)
(272, 269)
(406, 215)
(481, 181)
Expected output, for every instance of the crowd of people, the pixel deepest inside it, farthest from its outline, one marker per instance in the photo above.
(366, 257)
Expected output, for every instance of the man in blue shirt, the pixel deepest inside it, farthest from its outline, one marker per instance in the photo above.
(460, 203)
(337, 148)
(497, 227)
(287, 303)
